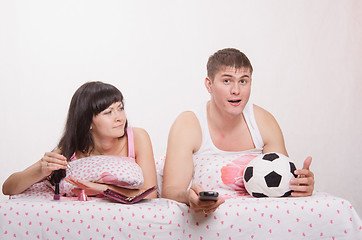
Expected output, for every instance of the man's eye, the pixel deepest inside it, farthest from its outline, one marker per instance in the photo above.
(226, 81)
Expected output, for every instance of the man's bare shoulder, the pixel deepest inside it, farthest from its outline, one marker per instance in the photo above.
(262, 115)
(186, 130)
(265, 121)
(187, 119)
(270, 131)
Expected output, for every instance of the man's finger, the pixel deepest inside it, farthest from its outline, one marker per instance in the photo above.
(307, 162)
(197, 188)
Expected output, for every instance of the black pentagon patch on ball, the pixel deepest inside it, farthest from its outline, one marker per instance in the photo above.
(258, 195)
(248, 173)
(270, 156)
(292, 168)
(287, 194)
(273, 179)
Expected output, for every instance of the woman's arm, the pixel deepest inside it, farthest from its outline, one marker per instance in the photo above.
(18, 182)
(145, 159)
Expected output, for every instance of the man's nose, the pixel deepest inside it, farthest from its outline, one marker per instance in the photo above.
(235, 89)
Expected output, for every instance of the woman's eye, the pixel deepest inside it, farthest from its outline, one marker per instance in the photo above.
(108, 112)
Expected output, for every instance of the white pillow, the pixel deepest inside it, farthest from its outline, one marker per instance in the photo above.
(119, 171)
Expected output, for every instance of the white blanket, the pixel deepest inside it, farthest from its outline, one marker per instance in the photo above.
(35, 215)
(321, 216)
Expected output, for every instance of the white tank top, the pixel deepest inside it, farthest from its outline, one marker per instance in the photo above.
(208, 147)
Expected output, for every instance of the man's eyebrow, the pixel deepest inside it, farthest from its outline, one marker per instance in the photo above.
(228, 75)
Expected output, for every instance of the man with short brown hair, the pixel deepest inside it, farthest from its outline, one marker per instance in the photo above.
(227, 123)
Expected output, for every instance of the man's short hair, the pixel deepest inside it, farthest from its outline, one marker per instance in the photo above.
(227, 57)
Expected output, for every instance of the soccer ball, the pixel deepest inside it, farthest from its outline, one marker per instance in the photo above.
(268, 175)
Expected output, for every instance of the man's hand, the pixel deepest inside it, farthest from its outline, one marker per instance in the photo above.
(202, 207)
(303, 185)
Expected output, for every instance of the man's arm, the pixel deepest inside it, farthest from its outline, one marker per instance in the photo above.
(274, 142)
(270, 131)
(184, 139)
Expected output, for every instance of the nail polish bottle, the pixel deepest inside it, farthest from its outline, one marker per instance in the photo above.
(56, 193)
(82, 196)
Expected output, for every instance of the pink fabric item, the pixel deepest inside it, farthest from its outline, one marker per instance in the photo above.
(130, 138)
(232, 173)
(221, 173)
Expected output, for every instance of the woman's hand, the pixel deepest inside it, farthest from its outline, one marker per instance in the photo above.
(202, 207)
(90, 188)
(52, 161)
(303, 185)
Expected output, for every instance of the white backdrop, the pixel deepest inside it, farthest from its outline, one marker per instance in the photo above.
(307, 57)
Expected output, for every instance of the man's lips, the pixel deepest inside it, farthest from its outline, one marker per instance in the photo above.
(234, 100)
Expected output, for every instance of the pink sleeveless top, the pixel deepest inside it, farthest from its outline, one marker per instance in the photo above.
(130, 139)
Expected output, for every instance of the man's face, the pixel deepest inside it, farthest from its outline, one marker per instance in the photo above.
(230, 89)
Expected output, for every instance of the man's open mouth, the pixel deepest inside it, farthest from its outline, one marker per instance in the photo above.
(234, 101)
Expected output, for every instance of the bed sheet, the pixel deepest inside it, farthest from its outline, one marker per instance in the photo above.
(321, 216)
(35, 215)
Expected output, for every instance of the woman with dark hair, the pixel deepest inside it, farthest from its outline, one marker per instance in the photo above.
(96, 125)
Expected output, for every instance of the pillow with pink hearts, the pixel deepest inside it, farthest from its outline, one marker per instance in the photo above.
(119, 171)
(41, 189)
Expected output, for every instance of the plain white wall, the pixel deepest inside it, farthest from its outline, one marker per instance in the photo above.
(307, 58)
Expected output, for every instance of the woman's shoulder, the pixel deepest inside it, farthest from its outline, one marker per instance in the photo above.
(138, 130)
(139, 133)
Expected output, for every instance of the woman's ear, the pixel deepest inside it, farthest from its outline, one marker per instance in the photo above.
(208, 84)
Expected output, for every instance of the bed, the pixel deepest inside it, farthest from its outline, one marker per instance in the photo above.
(35, 215)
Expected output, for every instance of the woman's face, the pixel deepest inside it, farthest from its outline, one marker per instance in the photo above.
(110, 122)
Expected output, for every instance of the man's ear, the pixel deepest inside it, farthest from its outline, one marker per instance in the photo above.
(208, 84)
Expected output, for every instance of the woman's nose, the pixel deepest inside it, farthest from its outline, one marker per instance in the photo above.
(119, 116)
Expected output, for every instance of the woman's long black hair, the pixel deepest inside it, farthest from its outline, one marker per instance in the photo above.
(89, 100)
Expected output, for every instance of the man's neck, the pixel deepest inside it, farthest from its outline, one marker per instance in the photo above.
(219, 119)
